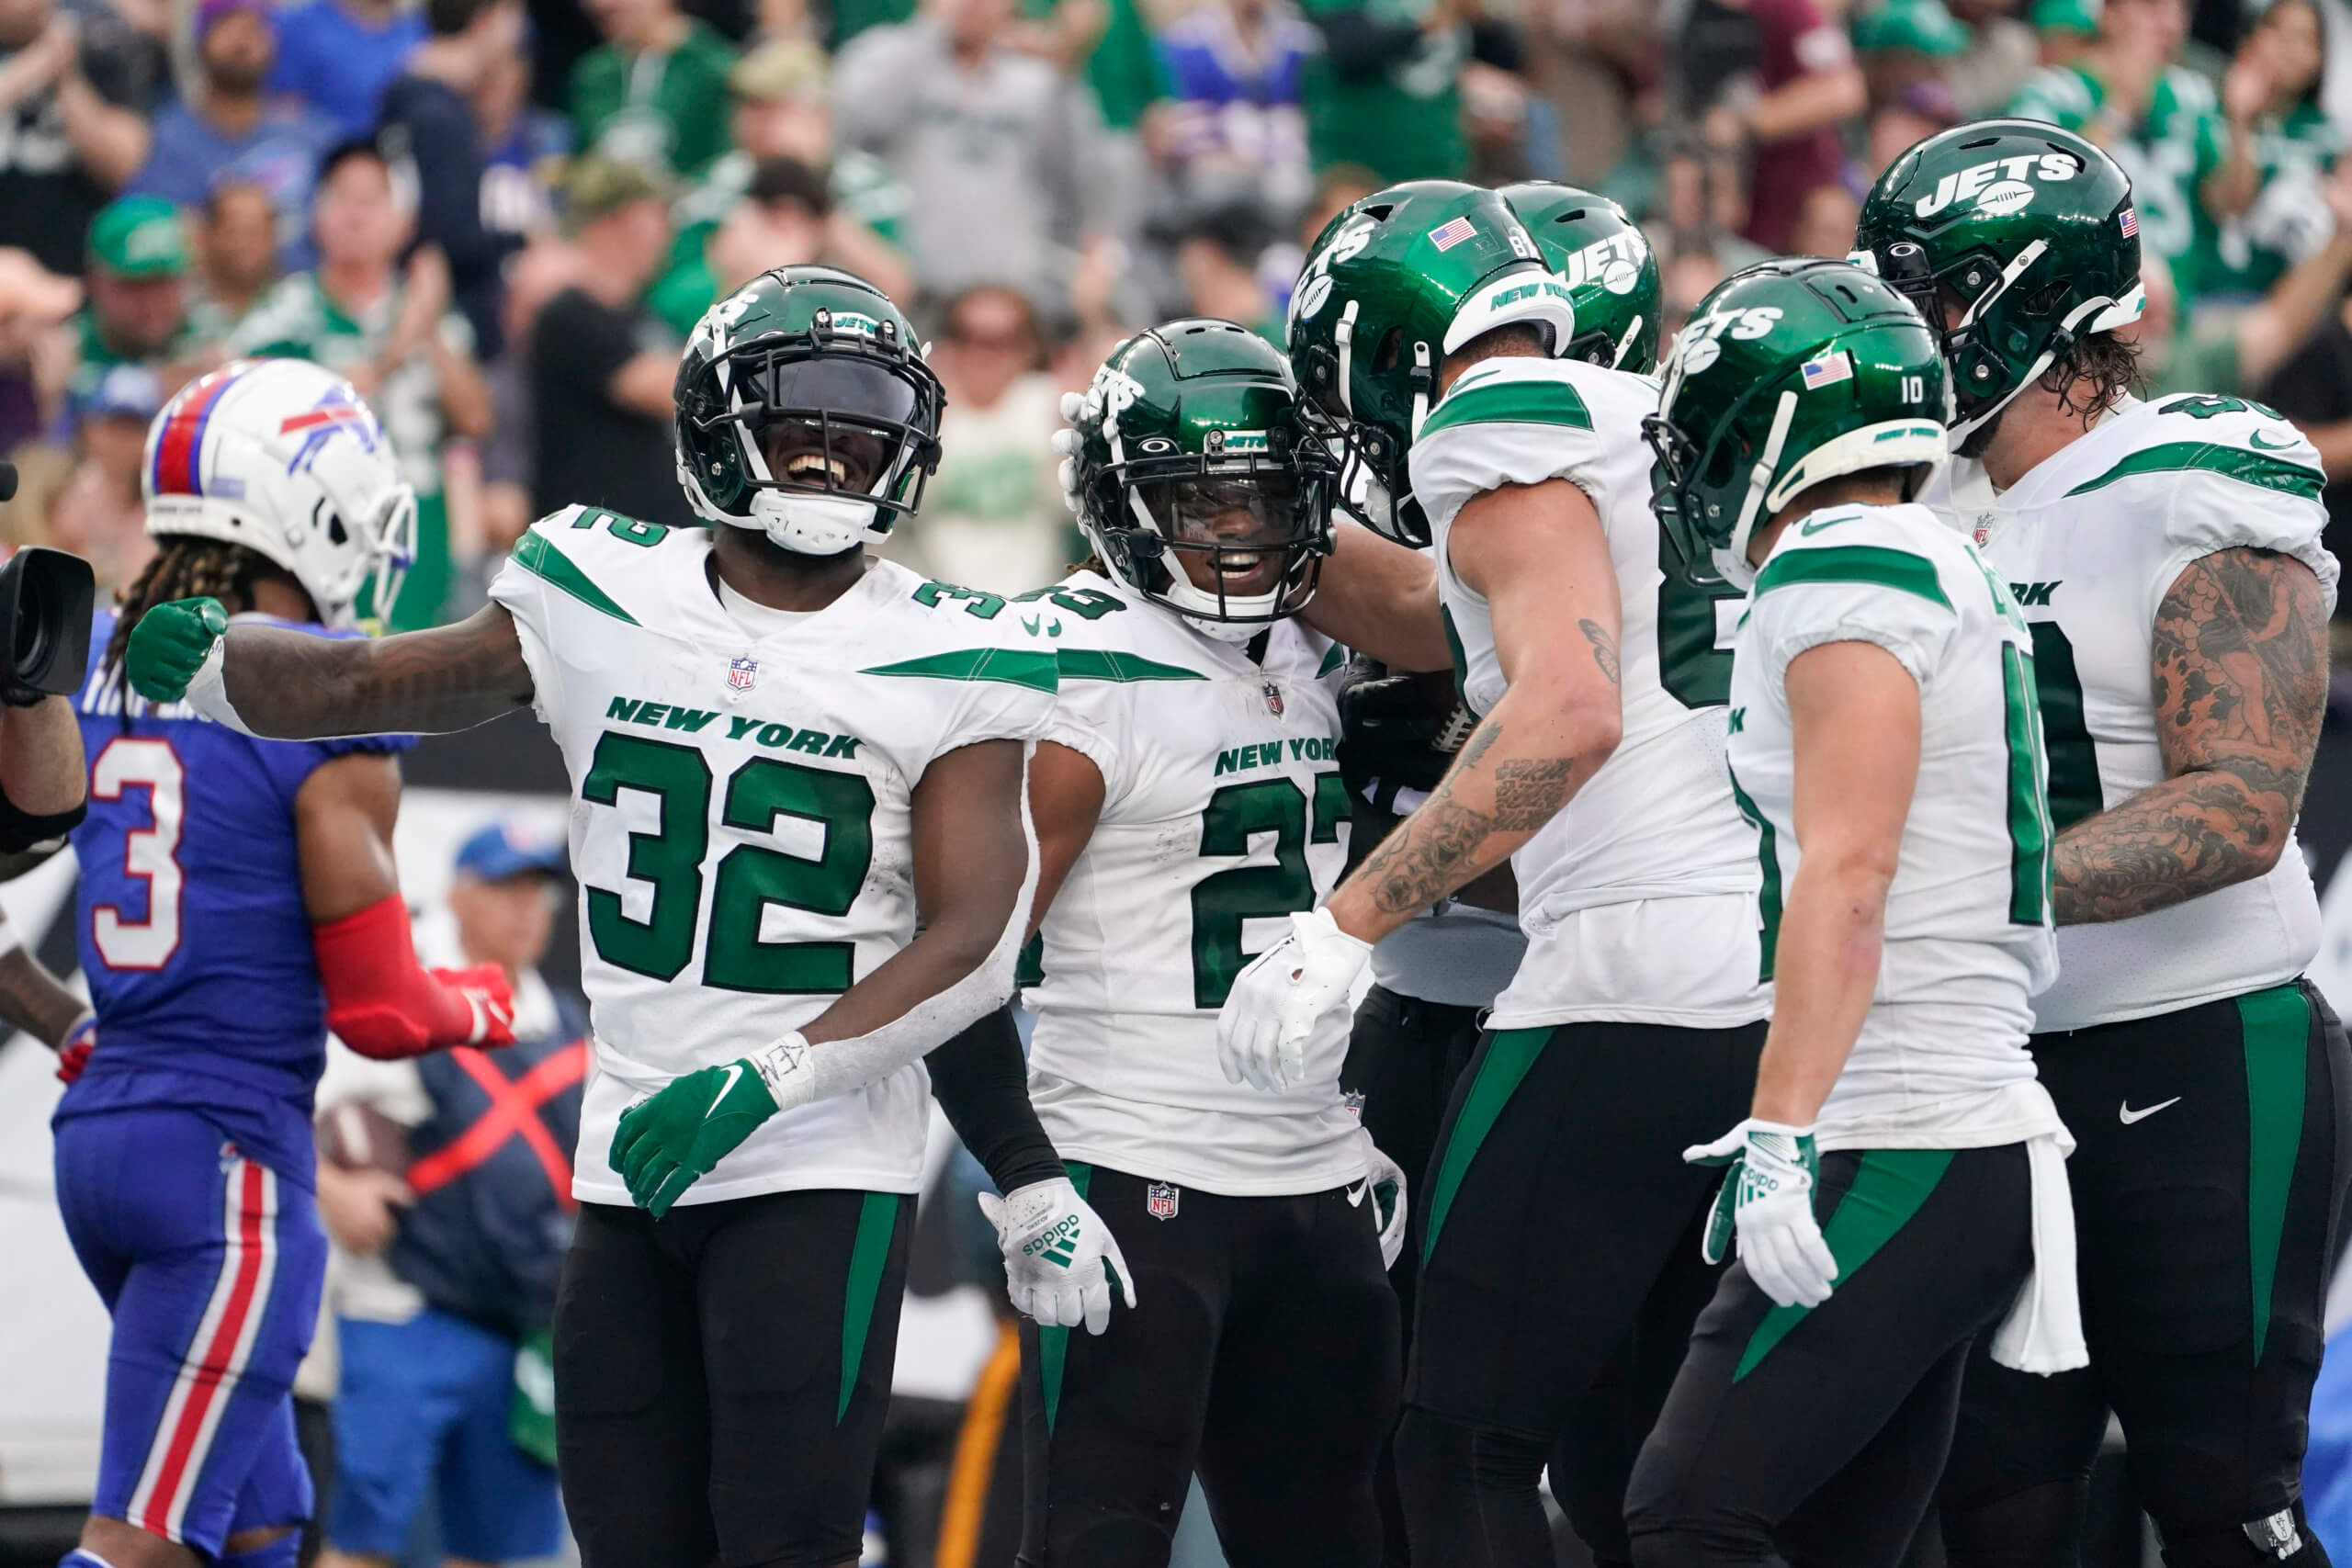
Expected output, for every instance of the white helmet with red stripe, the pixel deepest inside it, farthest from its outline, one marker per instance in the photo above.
(286, 460)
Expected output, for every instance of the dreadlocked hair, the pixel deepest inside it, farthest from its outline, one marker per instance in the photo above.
(185, 568)
(2091, 372)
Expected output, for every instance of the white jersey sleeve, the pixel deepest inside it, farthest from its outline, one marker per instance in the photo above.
(1509, 421)
(525, 587)
(2255, 486)
(1848, 575)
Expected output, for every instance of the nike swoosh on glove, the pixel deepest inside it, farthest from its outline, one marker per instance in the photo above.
(1389, 1196)
(1061, 1262)
(667, 1143)
(1767, 1199)
(1275, 1003)
(484, 988)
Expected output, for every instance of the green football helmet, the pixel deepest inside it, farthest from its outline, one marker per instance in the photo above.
(1391, 287)
(2014, 239)
(806, 410)
(1609, 268)
(1190, 448)
(1793, 371)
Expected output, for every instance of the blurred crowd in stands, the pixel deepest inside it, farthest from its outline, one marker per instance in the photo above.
(500, 219)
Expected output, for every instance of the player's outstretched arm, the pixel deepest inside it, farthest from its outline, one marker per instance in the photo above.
(1538, 555)
(1380, 599)
(1854, 714)
(2240, 671)
(972, 882)
(379, 1001)
(269, 682)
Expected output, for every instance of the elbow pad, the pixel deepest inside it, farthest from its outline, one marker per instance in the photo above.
(382, 1005)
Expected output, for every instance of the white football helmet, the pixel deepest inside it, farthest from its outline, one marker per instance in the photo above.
(286, 459)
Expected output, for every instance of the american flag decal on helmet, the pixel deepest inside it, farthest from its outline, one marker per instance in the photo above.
(2129, 222)
(1451, 232)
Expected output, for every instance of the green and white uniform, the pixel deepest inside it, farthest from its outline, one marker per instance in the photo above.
(1638, 898)
(1222, 813)
(742, 824)
(2206, 1082)
(2090, 541)
(1941, 1060)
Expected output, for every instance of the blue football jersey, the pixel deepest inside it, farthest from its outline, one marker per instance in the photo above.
(193, 932)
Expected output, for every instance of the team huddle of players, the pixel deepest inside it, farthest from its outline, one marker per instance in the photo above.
(1784, 875)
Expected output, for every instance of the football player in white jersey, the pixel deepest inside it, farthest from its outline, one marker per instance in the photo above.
(1187, 800)
(1427, 333)
(1899, 1172)
(799, 834)
(2167, 556)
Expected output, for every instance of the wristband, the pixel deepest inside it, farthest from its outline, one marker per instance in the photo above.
(208, 690)
(784, 1068)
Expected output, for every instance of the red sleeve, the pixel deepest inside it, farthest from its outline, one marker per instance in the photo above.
(381, 1004)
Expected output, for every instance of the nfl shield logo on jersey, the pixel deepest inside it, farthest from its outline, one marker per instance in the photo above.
(742, 673)
(1273, 698)
(1159, 1198)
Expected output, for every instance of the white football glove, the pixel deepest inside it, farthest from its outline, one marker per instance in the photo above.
(1066, 444)
(1061, 1262)
(1262, 1030)
(1767, 1197)
(1384, 1179)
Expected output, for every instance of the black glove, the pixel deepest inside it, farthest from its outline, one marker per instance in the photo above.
(1396, 731)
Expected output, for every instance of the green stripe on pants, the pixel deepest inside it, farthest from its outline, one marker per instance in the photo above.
(1889, 1187)
(869, 1258)
(1053, 1344)
(1504, 1064)
(2277, 1025)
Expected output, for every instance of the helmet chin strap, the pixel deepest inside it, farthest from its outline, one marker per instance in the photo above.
(1732, 559)
(814, 524)
(1625, 342)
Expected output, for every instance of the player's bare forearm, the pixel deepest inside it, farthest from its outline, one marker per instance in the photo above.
(1380, 599)
(1854, 723)
(1541, 558)
(1826, 967)
(2240, 676)
(41, 770)
(292, 684)
(33, 999)
(1524, 762)
(971, 857)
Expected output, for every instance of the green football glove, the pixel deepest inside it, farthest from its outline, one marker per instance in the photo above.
(169, 645)
(667, 1143)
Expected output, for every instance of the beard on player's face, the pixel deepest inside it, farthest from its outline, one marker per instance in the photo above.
(1974, 444)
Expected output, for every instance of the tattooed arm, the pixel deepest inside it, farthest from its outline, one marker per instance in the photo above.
(2240, 672)
(289, 683)
(1539, 555)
